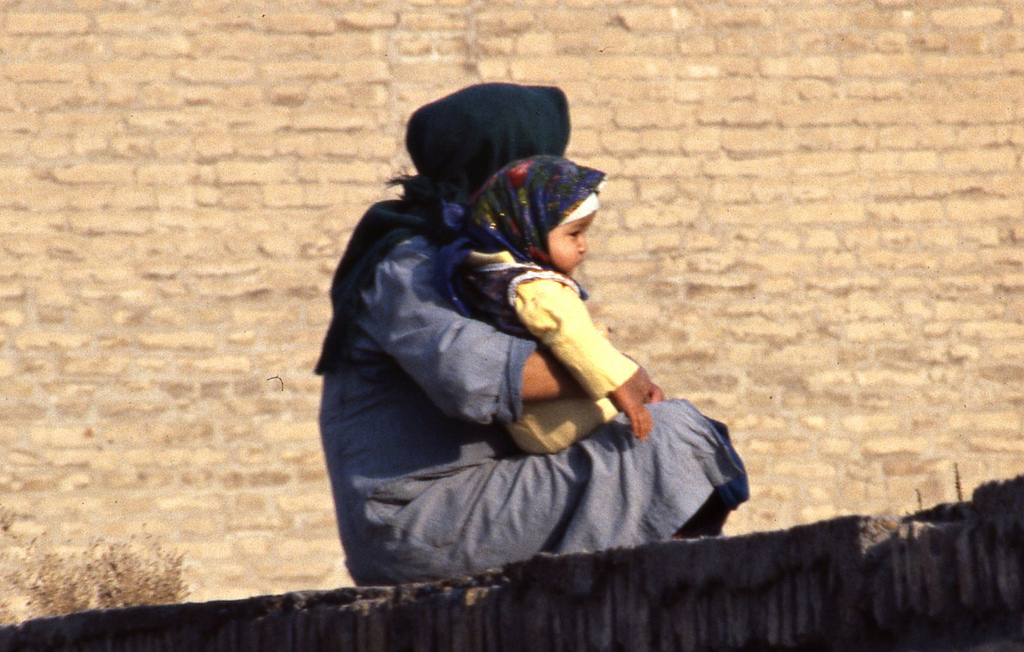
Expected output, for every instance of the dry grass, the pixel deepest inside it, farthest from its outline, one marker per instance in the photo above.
(40, 582)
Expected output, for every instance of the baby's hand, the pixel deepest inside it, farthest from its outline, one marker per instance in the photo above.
(630, 398)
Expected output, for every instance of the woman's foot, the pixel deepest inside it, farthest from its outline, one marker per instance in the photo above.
(708, 520)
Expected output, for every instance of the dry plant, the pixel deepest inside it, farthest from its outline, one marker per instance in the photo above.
(42, 583)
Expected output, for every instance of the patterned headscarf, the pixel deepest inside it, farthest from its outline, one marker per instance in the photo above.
(514, 211)
(518, 206)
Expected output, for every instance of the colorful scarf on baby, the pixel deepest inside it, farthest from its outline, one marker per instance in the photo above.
(514, 211)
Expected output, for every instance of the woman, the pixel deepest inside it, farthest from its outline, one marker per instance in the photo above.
(426, 482)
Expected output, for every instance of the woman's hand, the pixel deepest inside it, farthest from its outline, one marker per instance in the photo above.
(652, 393)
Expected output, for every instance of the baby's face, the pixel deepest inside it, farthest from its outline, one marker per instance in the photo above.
(567, 244)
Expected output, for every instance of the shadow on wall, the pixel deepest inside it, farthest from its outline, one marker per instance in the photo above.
(949, 578)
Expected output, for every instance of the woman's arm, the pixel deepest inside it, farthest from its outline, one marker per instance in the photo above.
(544, 379)
(467, 368)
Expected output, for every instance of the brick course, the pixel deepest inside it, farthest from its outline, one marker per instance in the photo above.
(813, 231)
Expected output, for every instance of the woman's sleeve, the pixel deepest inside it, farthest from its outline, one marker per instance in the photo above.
(467, 368)
(554, 313)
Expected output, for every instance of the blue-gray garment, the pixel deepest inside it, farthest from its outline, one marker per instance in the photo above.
(426, 482)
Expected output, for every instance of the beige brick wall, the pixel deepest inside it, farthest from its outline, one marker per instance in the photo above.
(814, 230)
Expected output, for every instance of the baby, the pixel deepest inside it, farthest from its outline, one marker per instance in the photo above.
(522, 239)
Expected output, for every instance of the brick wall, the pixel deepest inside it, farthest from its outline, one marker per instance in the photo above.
(813, 230)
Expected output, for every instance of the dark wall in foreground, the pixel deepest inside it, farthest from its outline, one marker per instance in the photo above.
(949, 578)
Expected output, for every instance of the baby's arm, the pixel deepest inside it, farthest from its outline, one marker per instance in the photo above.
(555, 315)
(630, 398)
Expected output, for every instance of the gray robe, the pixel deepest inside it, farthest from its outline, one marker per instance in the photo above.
(427, 483)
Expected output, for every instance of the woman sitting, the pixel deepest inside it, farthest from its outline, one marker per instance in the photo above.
(427, 482)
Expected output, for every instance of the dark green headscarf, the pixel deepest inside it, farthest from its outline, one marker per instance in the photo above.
(456, 144)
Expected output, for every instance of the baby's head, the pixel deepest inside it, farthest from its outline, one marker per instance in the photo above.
(567, 242)
(539, 209)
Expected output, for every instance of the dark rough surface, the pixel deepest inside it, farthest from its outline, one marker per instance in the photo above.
(949, 578)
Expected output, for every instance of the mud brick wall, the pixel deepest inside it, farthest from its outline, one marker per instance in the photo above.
(814, 229)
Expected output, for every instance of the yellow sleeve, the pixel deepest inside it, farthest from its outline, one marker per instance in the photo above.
(554, 313)
(553, 426)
